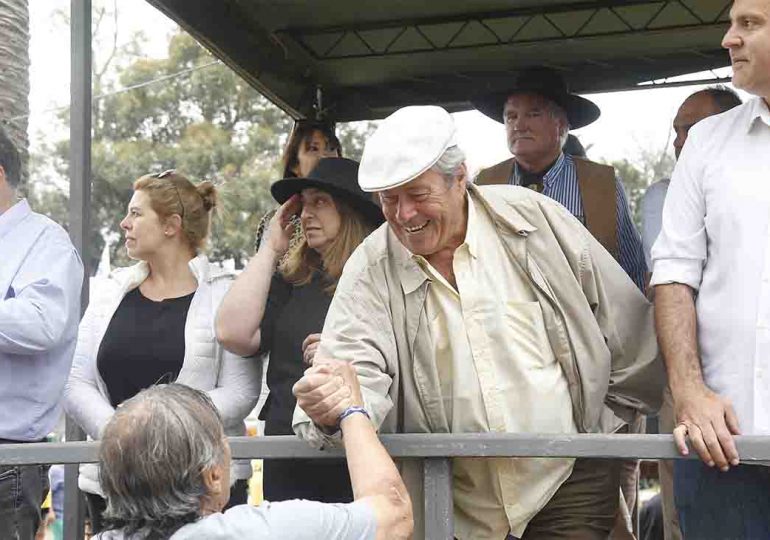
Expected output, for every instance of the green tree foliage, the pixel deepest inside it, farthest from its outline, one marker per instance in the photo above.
(188, 112)
(638, 173)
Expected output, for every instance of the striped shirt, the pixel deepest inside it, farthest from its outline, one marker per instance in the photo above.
(561, 184)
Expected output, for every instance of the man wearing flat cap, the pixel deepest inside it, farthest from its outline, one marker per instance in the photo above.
(485, 310)
(538, 113)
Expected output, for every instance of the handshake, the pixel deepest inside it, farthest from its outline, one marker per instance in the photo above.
(328, 389)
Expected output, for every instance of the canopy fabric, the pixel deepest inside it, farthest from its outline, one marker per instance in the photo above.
(369, 57)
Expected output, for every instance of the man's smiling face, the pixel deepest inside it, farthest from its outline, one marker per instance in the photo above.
(427, 214)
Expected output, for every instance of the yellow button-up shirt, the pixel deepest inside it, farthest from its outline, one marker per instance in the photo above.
(497, 373)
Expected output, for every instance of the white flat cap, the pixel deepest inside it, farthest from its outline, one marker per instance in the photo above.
(406, 144)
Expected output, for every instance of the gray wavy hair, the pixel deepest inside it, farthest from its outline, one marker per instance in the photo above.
(448, 165)
(153, 454)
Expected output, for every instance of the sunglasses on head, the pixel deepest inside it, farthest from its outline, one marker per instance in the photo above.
(167, 174)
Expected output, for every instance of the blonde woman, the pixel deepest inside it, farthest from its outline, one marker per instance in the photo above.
(282, 313)
(154, 323)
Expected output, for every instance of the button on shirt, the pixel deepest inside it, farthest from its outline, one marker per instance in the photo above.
(560, 183)
(716, 239)
(497, 373)
(40, 281)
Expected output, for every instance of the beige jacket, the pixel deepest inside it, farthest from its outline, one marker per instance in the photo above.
(598, 323)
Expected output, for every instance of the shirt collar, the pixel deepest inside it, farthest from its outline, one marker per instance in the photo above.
(550, 175)
(759, 113)
(13, 216)
(472, 227)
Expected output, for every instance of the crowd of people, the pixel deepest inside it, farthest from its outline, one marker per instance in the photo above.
(400, 295)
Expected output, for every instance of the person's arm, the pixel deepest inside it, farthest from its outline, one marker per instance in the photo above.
(679, 256)
(44, 308)
(239, 380)
(240, 315)
(628, 350)
(707, 418)
(329, 389)
(83, 400)
(358, 329)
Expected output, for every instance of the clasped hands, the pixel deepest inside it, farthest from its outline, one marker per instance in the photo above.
(327, 389)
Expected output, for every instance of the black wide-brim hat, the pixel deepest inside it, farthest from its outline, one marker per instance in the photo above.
(338, 177)
(547, 83)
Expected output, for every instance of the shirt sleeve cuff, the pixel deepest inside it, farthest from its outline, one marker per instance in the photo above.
(308, 431)
(686, 271)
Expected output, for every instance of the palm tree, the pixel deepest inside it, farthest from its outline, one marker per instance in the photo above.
(14, 73)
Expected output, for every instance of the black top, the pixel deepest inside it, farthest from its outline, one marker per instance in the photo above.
(291, 314)
(143, 345)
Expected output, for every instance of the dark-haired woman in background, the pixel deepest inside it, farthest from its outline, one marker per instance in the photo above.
(309, 141)
(154, 323)
(283, 312)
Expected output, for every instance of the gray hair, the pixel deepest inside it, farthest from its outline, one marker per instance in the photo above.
(448, 165)
(153, 454)
(556, 112)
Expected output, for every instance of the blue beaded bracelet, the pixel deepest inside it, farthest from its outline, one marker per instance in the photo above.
(351, 410)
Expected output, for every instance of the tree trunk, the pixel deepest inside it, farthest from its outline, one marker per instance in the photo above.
(14, 74)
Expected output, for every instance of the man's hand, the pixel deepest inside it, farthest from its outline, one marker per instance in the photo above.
(709, 421)
(310, 348)
(326, 390)
(280, 229)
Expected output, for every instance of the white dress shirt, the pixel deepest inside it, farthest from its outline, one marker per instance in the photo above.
(40, 280)
(716, 239)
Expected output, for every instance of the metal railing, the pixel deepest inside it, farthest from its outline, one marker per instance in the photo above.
(435, 451)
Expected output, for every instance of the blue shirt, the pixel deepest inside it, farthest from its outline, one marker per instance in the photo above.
(561, 184)
(287, 520)
(40, 281)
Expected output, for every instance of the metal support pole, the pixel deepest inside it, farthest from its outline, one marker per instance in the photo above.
(79, 213)
(319, 103)
(437, 486)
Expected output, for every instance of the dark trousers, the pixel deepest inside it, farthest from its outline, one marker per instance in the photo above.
(22, 491)
(723, 506)
(322, 480)
(584, 507)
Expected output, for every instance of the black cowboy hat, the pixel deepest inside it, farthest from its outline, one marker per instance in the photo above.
(547, 83)
(337, 176)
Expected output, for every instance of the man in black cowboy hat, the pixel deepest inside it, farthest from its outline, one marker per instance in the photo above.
(538, 113)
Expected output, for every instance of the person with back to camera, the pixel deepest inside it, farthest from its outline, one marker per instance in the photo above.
(282, 313)
(165, 467)
(154, 322)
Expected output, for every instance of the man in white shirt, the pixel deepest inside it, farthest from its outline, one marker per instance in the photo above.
(696, 107)
(712, 297)
(40, 280)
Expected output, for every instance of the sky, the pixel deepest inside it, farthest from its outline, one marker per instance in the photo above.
(630, 121)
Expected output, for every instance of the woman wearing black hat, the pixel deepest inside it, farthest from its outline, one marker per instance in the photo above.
(282, 312)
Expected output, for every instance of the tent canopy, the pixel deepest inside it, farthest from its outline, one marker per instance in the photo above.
(368, 57)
